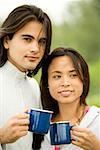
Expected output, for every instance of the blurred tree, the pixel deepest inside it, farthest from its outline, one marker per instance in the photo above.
(82, 30)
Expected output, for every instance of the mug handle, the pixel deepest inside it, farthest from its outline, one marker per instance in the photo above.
(29, 129)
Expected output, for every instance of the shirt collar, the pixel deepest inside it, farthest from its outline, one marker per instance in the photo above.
(13, 71)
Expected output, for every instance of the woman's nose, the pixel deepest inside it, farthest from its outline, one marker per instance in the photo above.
(66, 82)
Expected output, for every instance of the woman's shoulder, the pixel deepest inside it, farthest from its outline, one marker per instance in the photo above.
(95, 109)
(93, 115)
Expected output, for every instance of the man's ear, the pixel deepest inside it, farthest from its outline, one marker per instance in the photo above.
(6, 42)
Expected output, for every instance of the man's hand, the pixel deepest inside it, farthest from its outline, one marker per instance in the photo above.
(15, 128)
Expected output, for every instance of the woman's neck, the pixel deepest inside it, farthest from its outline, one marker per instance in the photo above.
(70, 112)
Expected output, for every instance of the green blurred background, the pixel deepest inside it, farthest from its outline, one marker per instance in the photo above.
(82, 31)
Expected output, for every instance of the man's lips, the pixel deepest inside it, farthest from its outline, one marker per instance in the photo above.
(31, 57)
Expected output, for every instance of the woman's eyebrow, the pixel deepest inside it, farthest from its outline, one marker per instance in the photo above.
(54, 71)
(73, 70)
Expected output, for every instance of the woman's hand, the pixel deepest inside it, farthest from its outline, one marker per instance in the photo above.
(15, 128)
(84, 138)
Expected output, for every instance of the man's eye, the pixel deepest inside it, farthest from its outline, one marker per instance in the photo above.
(42, 41)
(28, 39)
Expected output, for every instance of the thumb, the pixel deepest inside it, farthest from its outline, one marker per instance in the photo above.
(26, 110)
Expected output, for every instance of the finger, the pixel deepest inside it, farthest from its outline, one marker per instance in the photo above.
(24, 128)
(23, 122)
(77, 133)
(23, 133)
(79, 129)
(76, 142)
(79, 144)
(19, 121)
(19, 130)
(86, 136)
(26, 110)
(22, 116)
(74, 138)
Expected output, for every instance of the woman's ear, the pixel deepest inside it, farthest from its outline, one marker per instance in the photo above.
(6, 42)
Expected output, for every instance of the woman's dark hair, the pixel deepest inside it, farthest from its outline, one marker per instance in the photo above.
(16, 20)
(81, 67)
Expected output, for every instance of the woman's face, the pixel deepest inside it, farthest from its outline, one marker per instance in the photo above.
(65, 85)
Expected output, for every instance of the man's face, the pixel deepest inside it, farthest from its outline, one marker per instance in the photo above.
(27, 47)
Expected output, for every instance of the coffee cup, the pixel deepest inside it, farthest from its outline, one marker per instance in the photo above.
(39, 120)
(60, 133)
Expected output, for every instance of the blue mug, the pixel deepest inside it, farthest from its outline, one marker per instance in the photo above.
(60, 133)
(39, 120)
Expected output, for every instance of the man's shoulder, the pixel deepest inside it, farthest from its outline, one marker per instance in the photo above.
(34, 87)
(33, 82)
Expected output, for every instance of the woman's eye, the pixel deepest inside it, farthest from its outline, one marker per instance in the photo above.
(73, 75)
(56, 76)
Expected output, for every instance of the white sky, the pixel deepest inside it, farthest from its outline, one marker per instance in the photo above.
(54, 8)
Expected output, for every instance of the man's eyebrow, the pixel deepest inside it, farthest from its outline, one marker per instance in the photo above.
(27, 35)
(30, 36)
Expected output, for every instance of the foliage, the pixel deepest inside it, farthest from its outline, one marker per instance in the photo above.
(82, 31)
(94, 95)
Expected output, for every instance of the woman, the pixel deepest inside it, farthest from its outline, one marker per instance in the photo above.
(64, 88)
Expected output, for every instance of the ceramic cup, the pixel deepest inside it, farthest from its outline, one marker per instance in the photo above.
(60, 133)
(39, 120)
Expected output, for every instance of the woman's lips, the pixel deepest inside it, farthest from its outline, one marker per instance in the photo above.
(65, 93)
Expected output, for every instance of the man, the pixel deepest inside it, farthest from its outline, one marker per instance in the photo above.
(25, 39)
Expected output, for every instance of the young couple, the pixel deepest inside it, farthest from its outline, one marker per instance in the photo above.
(25, 39)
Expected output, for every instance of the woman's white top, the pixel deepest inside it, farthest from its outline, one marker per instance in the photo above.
(17, 92)
(91, 120)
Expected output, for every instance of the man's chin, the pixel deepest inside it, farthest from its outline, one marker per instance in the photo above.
(31, 67)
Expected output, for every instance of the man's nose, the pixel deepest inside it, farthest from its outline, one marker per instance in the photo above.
(34, 47)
